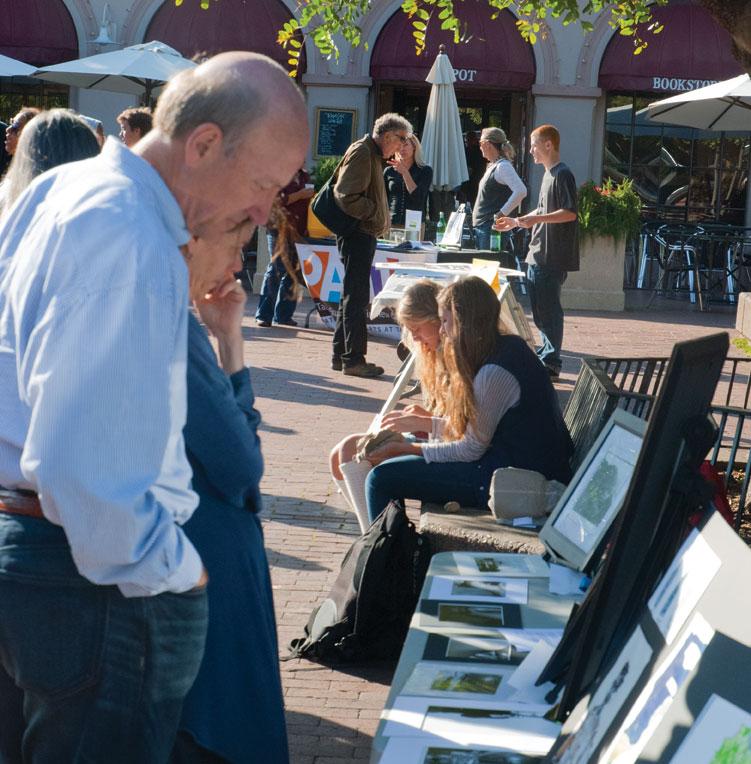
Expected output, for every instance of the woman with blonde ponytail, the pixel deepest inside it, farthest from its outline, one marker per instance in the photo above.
(501, 190)
(498, 409)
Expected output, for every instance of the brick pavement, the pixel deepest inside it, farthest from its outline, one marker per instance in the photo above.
(306, 407)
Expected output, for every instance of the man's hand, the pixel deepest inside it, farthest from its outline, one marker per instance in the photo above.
(503, 223)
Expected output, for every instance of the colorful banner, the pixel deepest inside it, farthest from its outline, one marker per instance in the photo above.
(323, 270)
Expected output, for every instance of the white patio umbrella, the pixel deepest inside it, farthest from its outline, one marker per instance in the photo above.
(9, 67)
(139, 70)
(725, 105)
(442, 142)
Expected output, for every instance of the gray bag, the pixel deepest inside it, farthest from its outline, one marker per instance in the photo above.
(522, 493)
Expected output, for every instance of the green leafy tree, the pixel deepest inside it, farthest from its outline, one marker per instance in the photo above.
(327, 21)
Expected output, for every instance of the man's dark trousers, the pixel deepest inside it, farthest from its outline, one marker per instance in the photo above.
(350, 336)
(545, 296)
(87, 675)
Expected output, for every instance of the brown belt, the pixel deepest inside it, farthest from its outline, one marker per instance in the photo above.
(20, 503)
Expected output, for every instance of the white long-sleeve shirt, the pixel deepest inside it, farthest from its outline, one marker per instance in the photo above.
(496, 391)
(506, 174)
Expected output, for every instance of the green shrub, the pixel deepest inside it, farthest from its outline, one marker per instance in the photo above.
(609, 209)
(323, 170)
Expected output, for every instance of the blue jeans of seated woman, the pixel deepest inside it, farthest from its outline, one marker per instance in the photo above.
(411, 477)
(85, 673)
(277, 300)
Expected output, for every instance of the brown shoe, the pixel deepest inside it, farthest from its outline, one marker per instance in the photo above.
(363, 369)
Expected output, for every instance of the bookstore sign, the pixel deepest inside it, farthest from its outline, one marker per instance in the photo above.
(679, 84)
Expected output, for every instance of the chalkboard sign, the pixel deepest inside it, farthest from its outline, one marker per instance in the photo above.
(335, 130)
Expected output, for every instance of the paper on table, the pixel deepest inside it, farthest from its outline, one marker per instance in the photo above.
(406, 716)
(501, 564)
(525, 732)
(563, 580)
(412, 220)
(526, 674)
(683, 584)
(506, 591)
(399, 750)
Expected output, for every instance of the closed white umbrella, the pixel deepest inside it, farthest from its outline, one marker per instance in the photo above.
(138, 70)
(442, 141)
(9, 67)
(725, 105)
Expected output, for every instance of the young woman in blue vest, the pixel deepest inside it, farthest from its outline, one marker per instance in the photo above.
(500, 411)
(501, 190)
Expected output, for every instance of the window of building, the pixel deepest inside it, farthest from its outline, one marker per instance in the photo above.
(681, 174)
(19, 92)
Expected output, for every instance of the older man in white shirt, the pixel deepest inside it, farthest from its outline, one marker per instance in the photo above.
(102, 597)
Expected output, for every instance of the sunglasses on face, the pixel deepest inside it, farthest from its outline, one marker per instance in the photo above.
(14, 127)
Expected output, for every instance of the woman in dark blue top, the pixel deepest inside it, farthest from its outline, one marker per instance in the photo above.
(234, 712)
(408, 181)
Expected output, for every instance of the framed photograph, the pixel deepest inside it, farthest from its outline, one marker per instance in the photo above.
(504, 648)
(458, 680)
(655, 699)
(683, 584)
(499, 590)
(477, 615)
(608, 700)
(399, 750)
(335, 131)
(581, 519)
(501, 564)
(721, 734)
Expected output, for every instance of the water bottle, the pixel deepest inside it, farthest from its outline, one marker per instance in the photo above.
(440, 229)
(495, 240)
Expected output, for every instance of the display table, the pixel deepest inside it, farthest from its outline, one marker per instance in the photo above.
(483, 652)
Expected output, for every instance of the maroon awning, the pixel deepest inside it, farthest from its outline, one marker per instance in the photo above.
(495, 56)
(692, 50)
(226, 25)
(39, 32)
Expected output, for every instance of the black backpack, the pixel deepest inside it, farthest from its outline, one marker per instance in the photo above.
(367, 612)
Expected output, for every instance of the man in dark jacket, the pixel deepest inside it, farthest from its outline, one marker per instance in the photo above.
(361, 193)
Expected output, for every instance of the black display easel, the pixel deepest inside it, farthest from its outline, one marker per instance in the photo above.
(664, 490)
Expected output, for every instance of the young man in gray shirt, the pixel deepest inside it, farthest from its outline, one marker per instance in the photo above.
(554, 244)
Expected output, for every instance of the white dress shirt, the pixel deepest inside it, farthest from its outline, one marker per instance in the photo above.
(93, 353)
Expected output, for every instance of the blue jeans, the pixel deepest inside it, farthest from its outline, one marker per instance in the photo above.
(545, 295)
(277, 300)
(482, 236)
(85, 673)
(411, 477)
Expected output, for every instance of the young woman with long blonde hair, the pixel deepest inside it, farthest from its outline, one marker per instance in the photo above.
(418, 316)
(499, 409)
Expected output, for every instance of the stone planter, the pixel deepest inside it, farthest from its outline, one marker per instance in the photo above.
(598, 284)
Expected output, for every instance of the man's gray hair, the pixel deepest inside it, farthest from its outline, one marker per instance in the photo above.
(192, 98)
(390, 121)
